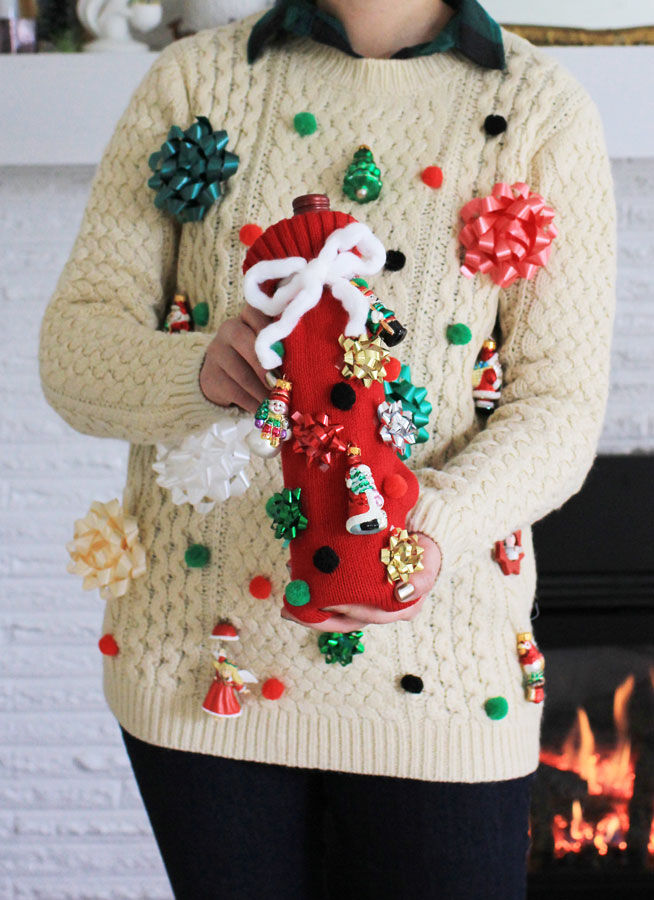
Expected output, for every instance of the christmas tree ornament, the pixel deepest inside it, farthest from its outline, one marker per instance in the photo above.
(200, 314)
(364, 358)
(507, 235)
(271, 421)
(362, 181)
(305, 123)
(509, 553)
(341, 648)
(224, 631)
(403, 556)
(318, 438)
(365, 505)
(381, 321)
(414, 401)
(190, 170)
(106, 550)
(179, 317)
(285, 510)
(207, 467)
(532, 662)
(496, 708)
(396, 426)
(108, 645)
(222, 699)
(321, 251)
(487, 377)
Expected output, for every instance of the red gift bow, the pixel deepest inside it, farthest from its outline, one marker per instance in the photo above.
(316, 437)
(507, 234)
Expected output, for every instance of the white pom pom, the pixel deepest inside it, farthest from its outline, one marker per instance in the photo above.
(208, 467)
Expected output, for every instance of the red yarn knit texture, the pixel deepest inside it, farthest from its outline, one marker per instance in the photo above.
(313, 360)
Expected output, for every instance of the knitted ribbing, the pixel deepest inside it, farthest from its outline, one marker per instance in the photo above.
(109, 372)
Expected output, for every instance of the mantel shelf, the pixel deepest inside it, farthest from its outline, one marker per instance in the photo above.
(60, 109)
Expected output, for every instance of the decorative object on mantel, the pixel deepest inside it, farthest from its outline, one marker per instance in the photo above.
(110, 20)
(584, 37)
(18, 26)
(199, 14)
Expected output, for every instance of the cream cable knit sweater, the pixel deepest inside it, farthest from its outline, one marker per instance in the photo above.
(109, 372)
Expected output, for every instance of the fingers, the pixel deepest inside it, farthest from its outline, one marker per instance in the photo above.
(420, 583)
(239, 371)
(370, 615)
(333, 623)
(254, 318)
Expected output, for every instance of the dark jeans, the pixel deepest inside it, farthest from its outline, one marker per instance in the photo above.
(252, 831)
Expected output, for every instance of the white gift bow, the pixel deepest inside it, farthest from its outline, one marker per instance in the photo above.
(333, 267)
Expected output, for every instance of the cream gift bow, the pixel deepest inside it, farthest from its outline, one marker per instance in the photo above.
(304, 282)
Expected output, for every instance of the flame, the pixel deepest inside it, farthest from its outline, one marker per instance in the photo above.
(610, 774)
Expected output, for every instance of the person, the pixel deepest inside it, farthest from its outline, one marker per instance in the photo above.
(406, 773)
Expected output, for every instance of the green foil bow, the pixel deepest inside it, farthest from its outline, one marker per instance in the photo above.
(338, 647)
(189, 169)
(413, 399)
(285, 509)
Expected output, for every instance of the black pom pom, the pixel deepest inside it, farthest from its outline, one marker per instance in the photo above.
(343, 396)
(326, 560)
(412, 684)
(395, 260)
(494, 125)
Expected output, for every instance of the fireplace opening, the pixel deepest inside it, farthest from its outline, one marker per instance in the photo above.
(592, 815)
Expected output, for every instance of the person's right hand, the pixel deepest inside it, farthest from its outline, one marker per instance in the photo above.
(231, 372)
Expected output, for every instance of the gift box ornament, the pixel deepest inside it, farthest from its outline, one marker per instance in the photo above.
(337, 460)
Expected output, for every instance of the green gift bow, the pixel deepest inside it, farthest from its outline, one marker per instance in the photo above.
(413, 399)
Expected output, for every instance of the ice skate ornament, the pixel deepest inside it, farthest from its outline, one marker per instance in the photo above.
(509, 553)
(381, 320)
(533, 667)
(487, 377)
(110, 21)
(365, 505)
(271, 422)
(337, 370)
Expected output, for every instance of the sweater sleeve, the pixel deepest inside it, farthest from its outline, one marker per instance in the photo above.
(105, 368)
(540, 442)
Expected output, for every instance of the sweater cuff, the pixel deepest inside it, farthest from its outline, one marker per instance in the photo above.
(193, 411)
(442, 523)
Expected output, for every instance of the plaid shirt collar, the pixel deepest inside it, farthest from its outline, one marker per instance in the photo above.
(471, 31)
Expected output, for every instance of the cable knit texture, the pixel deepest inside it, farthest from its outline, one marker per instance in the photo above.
(109, 370)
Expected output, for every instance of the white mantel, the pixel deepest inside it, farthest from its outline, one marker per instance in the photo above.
(60, 109)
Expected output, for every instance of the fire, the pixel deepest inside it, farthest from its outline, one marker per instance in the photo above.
(610, 774)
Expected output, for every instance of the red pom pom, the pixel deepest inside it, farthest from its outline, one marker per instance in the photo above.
(394, 487)
(393, 368)
(108, 645)
(260, 587)
(432, 176)
(272, 689)
(249, 233)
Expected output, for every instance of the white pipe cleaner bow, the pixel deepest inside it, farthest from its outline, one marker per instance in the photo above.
(304, 282)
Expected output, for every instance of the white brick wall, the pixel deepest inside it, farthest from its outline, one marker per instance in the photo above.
(70, 822)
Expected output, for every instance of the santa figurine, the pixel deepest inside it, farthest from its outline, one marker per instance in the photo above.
(487, 377)
(509, 553)
(533, 666)
(365, 505)
(221, 699)
(179, 317)
(271, 421)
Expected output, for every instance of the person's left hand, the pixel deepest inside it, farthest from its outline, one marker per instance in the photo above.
(355, 617)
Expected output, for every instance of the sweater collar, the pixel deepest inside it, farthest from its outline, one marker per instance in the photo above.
(471, 31)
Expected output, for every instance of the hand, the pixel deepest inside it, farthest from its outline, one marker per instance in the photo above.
(231, 372)
(355, 617)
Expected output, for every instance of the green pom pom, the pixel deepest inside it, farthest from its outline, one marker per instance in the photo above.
(297, 593)
(201, 314)
(305, 123)
(459, 334)
(197, 556)
(496, 707)
(278, 348)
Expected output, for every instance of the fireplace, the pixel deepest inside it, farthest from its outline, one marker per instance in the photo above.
(592, 830)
